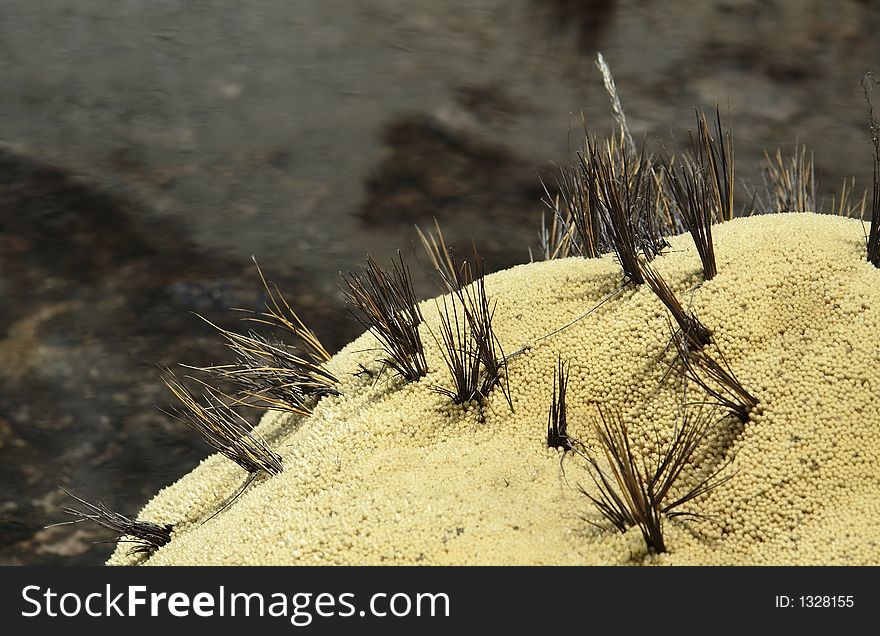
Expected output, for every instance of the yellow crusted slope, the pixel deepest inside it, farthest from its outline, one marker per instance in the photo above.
(392, 473)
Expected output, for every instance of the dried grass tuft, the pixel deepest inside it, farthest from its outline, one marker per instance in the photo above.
(634, 492)
(145, 536)
(385, 303)
(222, 427)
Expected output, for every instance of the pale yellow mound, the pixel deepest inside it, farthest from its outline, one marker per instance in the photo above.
(392, 473)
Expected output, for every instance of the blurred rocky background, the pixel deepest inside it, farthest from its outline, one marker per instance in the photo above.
(148, 149)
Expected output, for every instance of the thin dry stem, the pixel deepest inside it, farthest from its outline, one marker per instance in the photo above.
(717, 160)
(843, 204)
(790, 182)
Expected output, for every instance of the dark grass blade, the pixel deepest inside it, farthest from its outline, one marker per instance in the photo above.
(555, 239)
(279, 314)
(608, 502)
(460, 352)
(696, 333)
(557, 420)
(637, 491)
(659, 219)
(633, 491)
(386, 304)
(715, 378)
(790, 182)
(270, 374)
(581, 207)
(146, 537)
(666, 211)
(697, 424)
(222, 428)
(576, 220)
(442, 258)
(718, 161)
(692, 194)
(616, 191)
(646, 202)
(872, 242)
(468, 342)
(479, 312)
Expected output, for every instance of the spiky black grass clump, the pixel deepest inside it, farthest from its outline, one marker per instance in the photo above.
(661, 219)
(575, 228)
(615, 197)
(222, 428)
(701, 186)
(633, 492)
(872, 241)
(619, 193)
(610, 197)
(715, 378)
(460, 353)
(716, 159)
(692, 193)
(145, 536)
(694, 331)
(385, 303)
(557, 419)
(270, 373)
(470, 346)
(480, 312)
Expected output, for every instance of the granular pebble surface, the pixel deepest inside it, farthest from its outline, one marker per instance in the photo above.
(392, 473)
